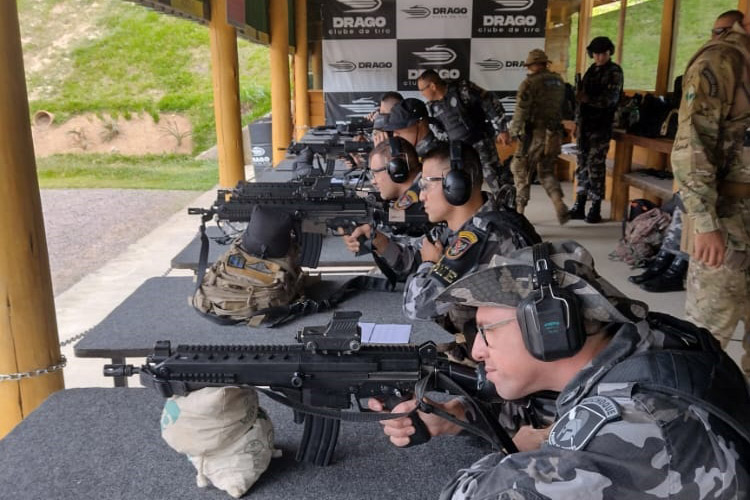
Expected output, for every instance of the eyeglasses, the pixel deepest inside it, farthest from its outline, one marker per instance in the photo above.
(482, 330)
(422, 89)
(424, 182)
(719, 31)
(371, 172)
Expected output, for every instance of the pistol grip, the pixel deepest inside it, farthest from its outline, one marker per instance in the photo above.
(364, 246)
(421, 434)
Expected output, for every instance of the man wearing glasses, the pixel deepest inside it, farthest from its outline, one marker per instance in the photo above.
(475, 231)
(396, 255)
(648, 405)
(470, 114)
(714, 181)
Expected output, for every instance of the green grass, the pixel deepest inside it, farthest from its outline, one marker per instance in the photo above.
(127, 172)
(642, 36)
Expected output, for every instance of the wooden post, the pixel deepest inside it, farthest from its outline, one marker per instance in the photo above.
(281, 120)
(621, 31)
(28, 326)
(226, 86)
(301, 100)
(316, 61)
(744, 6)
(584, 29)
(664, 68)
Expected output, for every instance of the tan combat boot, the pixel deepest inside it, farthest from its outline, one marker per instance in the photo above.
(563, 215)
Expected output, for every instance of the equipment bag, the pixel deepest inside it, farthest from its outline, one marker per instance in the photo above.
(239, 284)
(642, 239)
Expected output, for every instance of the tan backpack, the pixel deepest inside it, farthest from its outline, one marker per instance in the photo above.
(239, 284)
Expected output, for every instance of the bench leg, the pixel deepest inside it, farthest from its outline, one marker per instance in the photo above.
(620, 189)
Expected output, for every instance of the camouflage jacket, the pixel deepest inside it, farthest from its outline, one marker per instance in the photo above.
(709, 143)
(538, 104)
(424, 286)
(618, 440)
(603, 87)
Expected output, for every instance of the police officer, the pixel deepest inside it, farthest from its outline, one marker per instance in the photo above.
(537, 124)
(649, 406)
(474, 232)
(380, 115)
(597, 98)
(470, 114)
(394, 174)
(714, 181)
(409, 119)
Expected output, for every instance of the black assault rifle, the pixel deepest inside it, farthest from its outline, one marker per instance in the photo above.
(318, 376)
(318, 205)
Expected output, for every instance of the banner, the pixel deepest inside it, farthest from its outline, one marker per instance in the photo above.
(373, 46)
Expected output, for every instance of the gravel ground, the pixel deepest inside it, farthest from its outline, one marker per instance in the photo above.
(87, 227)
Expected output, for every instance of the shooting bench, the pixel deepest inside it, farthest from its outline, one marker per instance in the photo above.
(106, 443)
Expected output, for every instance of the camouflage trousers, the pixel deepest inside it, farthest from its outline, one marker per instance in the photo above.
(538, 152)
(496, 176)
(671, 241)
(591, 171)
(718, 299)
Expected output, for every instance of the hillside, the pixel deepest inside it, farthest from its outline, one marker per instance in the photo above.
(119, 60)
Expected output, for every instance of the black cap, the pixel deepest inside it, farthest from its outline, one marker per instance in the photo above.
(405, 114)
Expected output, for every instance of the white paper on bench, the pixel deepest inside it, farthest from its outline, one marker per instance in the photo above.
(373, 333)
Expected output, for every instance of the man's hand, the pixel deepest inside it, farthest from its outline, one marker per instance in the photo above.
(379, 136)
(399, 429)
(709, 248)
(529, 439)
(504, 138)
(431, 252)
(351, 240)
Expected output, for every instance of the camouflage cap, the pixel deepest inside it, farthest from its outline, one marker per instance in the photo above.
(509, 280)
(536, 56)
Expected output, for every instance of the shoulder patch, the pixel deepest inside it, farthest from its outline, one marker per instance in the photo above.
(579, 425)
(463, 242)
(406, 200)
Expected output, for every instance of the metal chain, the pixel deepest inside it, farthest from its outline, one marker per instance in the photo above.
(34, 373)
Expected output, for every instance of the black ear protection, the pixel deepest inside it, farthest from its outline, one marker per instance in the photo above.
(457, 182)
(550, 317)
(398, 166)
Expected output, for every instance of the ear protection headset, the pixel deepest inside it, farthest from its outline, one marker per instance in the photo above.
(398, 166)
(550, 317)
(457, 182)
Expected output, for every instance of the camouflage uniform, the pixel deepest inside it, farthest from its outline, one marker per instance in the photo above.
(537, 124)
(471, 114)
(603, 86)
(673, 235)
(707, 155)
(635, 422)
(423, 286)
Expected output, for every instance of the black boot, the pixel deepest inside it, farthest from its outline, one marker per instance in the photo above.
(658, 265)
(595, 212)
(671, 281)
(578, 210)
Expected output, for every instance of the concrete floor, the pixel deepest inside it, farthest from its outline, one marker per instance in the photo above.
(86, 303)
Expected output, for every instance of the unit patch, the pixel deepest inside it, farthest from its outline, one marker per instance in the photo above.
(463, 242)
(406, 200)
(580, 424)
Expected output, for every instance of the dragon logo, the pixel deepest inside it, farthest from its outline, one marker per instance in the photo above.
(343, 66)
(360, 107)
(513, 5)
(417, 12)
(490, 64)
(362, 5)
(436, 55)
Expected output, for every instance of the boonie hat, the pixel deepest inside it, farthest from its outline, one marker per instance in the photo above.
(536, 56)
(509, 280)
(405, 114)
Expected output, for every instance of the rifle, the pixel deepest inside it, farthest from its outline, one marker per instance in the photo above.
(318, 376)
(318, 205)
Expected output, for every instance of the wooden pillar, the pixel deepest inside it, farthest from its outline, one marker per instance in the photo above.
(744, 6)
(621, 31)
(584, 29)
(301, 100)
(281, 120)
(28, 326)
(226, 87)
(316, 63)
(663, 70)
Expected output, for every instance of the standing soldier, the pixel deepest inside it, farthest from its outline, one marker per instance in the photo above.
(470, 114)
(714, 181)
(597, 97)
(537, 124)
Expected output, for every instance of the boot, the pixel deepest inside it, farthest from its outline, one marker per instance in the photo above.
(563, 214)
(595, 212)
(578, 210)
(671, 281)
(658, 265)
